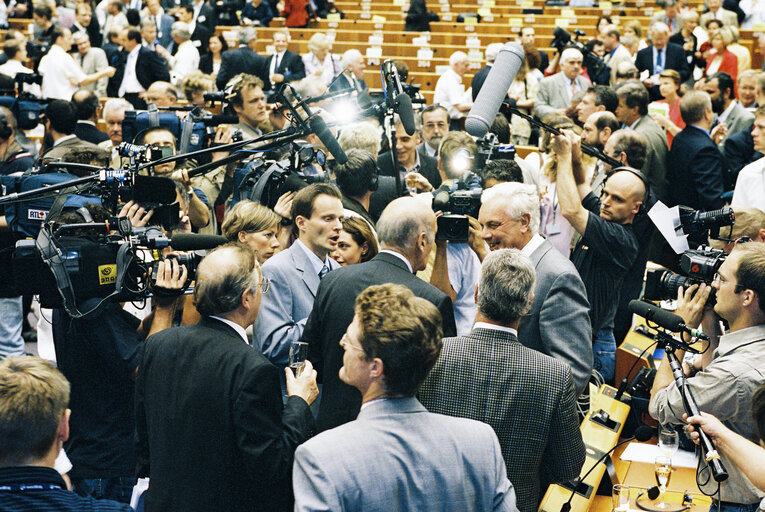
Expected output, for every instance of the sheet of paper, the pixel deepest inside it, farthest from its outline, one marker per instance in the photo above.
(639, 452)
(667, 221)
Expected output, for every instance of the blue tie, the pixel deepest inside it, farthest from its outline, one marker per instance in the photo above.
(659, 64)
(323, 272)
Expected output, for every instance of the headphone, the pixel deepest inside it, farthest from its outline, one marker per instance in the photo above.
(639, 174)
(6, 130)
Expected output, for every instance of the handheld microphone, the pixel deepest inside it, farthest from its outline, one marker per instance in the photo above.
(665, 319)
(319, 127)
(642, 434)
(193, 242)
(494, 89)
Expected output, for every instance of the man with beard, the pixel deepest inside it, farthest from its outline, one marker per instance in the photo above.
(598, 128)
(435, 124)
(731, 116)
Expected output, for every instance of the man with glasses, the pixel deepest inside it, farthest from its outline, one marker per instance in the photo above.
(435, 125)
(731, 368)
(213, 434)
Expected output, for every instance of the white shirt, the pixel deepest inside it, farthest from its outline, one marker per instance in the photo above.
(238, 328)
(533, 245)
(464, 269)
(399, 256)
(315, 261)
(185, 61)
(450, 92)
(56, 68)
(63, 139)
(130, 83)
(750, 186)
(275, 62)
(12, 67)
(430, 151)
(484, 325)
(327, 66)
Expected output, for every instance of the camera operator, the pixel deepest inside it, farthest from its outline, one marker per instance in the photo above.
(100, 354)
(608, 246)
(724, 388)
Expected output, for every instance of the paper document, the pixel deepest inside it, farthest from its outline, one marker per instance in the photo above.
(638, 452)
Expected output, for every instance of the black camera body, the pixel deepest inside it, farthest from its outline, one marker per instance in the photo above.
(36, 50)
(490, 149)
(696, 266)
(456, 205)
(699, 226)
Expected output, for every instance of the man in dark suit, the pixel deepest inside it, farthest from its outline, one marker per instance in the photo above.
(86, 22)
(406, 232)
(60, 122)
(242, 60)
(162, 21)
(408, 158)
(283, 65)
(212, 433)
(695, 166)
(204, 14)
(480, 76)
(200, 34)
(136, 60)
(86, 105)
(352, 76)
(661, 55)
(528, 398)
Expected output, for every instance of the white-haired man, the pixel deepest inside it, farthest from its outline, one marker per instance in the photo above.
(352, 76)
(186, 58)
(555, 92)
(450, 91)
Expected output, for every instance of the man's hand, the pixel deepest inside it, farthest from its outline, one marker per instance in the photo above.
(691, 302)
(223, 135)
(711, 426)
(109, 71)
(304, 385)
(283, 206)
(162, 51)
(719, 132)
(277, 78)
(137, 214)
(561, 146)
(475, 241)
(182, 175)
(170, 280)
(418, 182)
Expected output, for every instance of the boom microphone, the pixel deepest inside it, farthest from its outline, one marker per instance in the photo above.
(662, 318)
(405, 112)
(395, 96)
(494, 89)
(319, 127)
(192, 242)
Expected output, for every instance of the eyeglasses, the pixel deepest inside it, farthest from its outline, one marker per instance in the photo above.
(345, 342)
(265, 285)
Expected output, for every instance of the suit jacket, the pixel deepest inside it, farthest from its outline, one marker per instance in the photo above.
(555, 93)
(206, 63)
(739, 152)
(398, 456)
(211, 429)
(661, 16)
(89, 133)
(291, 66)
(428, 168)
(655, 167)
(65, 147)
(478, 79)
(207, 17)
(674, 59)
(285, 308)
(201, 37)
(241, 60)
(385, 193)
(150, 67)
(92, 62)
(332, 314)
(558, 323)
(528, 399)
(729, 18)
(621, 54)
(739, 119)
(696, 170)
(342, 83)
(163, 30)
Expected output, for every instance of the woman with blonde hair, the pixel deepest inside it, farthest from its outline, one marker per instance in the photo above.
(253, 224)
(722, 60)
(319, 61)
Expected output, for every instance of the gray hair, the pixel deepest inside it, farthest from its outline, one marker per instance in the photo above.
(350, 57)
(456, 57)
(116, 104)
(659, 28)
(246, 35)
(181, 30)
(318, 41)
(222, 279)
(492, 51)
(517, 198)
(399, 227)
(506, 286)
(364, 135)
(693, 106)
(417, 123)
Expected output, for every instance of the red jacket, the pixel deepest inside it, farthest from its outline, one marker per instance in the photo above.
(295, 12)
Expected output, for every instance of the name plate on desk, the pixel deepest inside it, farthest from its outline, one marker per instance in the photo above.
(333, 16)
(473, 42)
(374, 53)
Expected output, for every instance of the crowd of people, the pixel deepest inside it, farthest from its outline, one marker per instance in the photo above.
(444, 368)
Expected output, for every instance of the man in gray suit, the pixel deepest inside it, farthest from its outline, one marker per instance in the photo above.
(633, 113)
(528, 398)
(317, 213)
(558, 323)
(555, 92)
(91, 60)
(397, 455)
(731, 116)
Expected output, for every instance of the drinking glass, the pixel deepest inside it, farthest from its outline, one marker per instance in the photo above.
(662, 470)
(621, 494)
(298, 356)
(668, 440)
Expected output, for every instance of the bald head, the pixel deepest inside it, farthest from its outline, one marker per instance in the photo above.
(223, 277)
(623, 193)
(407, 225)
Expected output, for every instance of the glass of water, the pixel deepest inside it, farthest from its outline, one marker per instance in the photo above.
(298, 356)
(668, 440)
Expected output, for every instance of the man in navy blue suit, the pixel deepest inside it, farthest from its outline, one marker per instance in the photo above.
(242, 60)
(695, 166)
(661, 55)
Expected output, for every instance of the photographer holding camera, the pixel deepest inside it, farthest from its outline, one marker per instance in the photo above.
(99, 354)
(725, 386)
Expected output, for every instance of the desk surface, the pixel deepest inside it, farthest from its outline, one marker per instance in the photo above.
(640, 475)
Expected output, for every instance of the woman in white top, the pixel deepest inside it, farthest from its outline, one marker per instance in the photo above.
(319, 61)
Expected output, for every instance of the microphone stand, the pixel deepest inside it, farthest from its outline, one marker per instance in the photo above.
(389, 129)
(586, 148)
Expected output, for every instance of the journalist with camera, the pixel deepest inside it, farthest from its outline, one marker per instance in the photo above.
(731, 366)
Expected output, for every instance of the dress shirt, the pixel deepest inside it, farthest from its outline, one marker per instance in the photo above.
(185, 60)
(63, 139)
(429, 150)
(197, 9)
(238, 328)
(450, 91)
(484, 325)
(532, 245)
(275, 61)
(724, 116)
(130, 83)
(750, 186)
(399, 256)
(724, 389)
(315, 261)
(57, 67)
(663, 52)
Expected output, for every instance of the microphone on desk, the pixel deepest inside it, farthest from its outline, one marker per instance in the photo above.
(642, 434)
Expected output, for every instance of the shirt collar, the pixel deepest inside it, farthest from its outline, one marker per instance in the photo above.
(731, 341)
(64, 138)
(484, 325)
(533, 244)
(727, 111)
(315, 261)
(399, 256)
(238, 328)
(416, 165)
(135, 51)
(632, 126)
(700, 128)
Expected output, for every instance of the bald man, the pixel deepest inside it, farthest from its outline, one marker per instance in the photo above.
(608, 247)
(406, 230)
